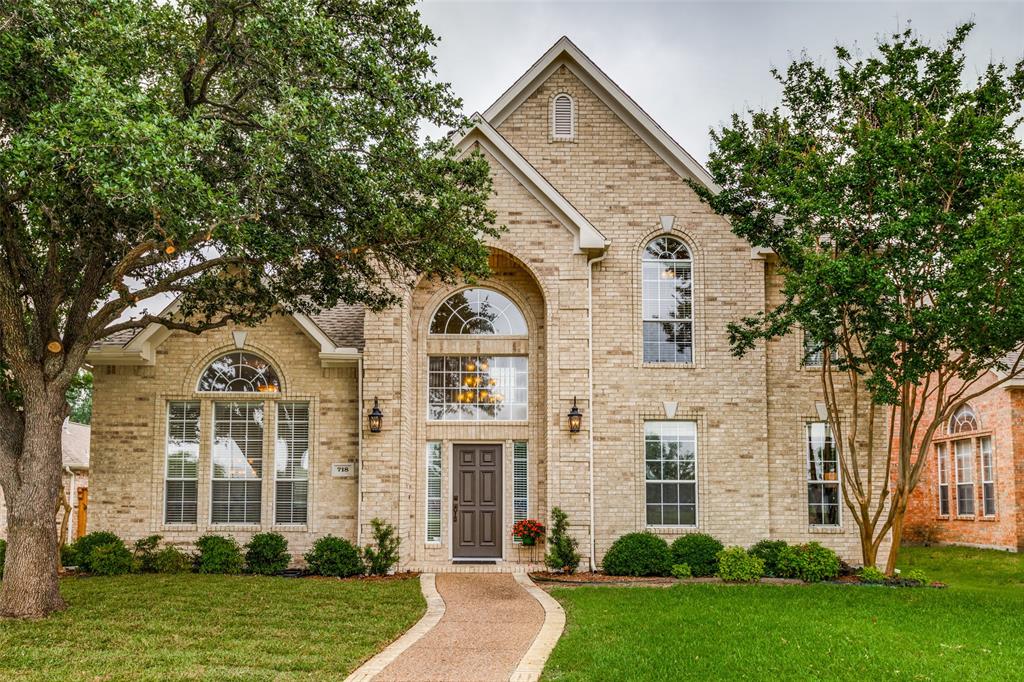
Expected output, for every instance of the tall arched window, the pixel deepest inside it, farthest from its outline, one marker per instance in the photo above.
(478, 311)
(667, 301)
(563, 117)
(240, 372)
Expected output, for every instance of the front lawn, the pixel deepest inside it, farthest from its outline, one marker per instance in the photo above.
(191, 627)
(974, 630)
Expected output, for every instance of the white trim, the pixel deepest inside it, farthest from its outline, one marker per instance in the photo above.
(586, 235)
(571, 135)
(807, 476)
(565, 53)
(696, 477)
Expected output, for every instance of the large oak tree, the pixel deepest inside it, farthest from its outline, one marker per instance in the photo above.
(890, 190)
(244, 156)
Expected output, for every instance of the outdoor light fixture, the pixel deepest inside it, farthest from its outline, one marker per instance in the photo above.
(575, 417)
(376, 417)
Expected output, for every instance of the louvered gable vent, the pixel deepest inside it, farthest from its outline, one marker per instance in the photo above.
(562, 117)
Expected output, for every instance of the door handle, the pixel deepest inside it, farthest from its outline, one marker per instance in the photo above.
(455, 507)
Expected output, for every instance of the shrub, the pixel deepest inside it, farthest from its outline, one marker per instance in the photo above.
(171, 560)
(85, 545)
(914, 575)
(69, 554)
(218, 554)
(699, 550)
(267, 554)
(334, 557)
(681, 571)
(735, 565)
(638, 554)
(872, 576)
(3, 556)
(381, 556)
(111, 559)
(811, 563)
(145, 552)
(769, 552)
(562, 548)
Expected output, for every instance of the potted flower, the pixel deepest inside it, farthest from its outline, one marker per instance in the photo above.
(528, 531)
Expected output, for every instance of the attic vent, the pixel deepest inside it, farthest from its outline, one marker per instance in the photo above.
(562, 118)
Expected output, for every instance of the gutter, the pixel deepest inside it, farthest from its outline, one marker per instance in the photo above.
(590, 399)
(359, 451)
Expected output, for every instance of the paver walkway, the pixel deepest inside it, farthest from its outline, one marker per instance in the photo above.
(489, 623)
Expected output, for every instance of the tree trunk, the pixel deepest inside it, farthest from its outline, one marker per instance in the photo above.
(868, 550)
(897, 535)
(30, 588)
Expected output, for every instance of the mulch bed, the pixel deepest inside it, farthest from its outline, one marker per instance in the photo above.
(595, 578)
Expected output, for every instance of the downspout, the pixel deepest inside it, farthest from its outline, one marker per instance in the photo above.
(359, 451)
(590, 399)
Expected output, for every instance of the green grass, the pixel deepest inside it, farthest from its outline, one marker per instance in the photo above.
(191, 627)
(974, 630)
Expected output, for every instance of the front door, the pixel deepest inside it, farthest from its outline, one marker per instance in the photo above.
(476, 502)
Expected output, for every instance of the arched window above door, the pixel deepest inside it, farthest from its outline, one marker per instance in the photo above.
(478, 312)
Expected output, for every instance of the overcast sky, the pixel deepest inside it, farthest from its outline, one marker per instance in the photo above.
(689, 64)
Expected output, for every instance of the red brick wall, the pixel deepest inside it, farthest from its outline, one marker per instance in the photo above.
(1001, 413)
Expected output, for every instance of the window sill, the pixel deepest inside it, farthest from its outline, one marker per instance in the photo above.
(478, 422)
(965, 517)
(990, 519)
(179, 527)
(671, 529)
(290, 527)
(243, 528)
(825, 530)
(668, 365)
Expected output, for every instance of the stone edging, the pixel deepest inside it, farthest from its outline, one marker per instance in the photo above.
(532, 663)
(435, 610)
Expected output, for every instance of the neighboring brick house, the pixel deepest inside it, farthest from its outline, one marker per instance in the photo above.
(971, 491)
(610, 295)
(75, 458)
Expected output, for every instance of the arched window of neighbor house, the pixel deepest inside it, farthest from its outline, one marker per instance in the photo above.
(963, 420)
(667, 301)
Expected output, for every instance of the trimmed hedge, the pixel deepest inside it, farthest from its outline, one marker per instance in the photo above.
(334, 557)
(171, 560)
(638, 554)
(769, 552)
(267, 554)
(218, 554)
(85, 545)
(112, 559)
(811, 563)
(699, 551)
(735, 565)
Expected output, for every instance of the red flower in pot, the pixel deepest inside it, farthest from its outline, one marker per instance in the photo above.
(528, 531)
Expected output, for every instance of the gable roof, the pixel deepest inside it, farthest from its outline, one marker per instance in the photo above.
(565, 53)
(483, 133)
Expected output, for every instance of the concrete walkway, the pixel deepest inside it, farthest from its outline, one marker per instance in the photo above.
(493, 627)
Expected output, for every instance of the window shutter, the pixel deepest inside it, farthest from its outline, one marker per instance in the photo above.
(562, 119)
(520, 482)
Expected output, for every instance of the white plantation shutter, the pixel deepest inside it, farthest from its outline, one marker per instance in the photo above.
(520, 482)
(291, 489)
(433, 491)
(562, 117)
(182, 463)
(237, 470)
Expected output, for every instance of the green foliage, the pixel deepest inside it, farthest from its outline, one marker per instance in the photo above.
(735, 565)
(79, 397)
(769, 551)
(638, 554)
(3, 556)
(267, 554)
(872, 576)
(145, 552)
(170, 559)
(382, 555)
(563, 554)
(111, 559)
(681, 571)
(218, 554)
(85, 545)
(916, 575)
(69, 554)
(810, 562)
(699, 551)
(335, 557)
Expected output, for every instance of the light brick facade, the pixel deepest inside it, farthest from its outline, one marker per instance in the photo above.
(582, 306)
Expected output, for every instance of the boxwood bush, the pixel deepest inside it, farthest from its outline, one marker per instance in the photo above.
(267, 554)
(638, 554)
(145, 552)
(699, 551)
(111, 559)
(735, 565)
(218, 554)
(769, 551)
(872, 576)
(87, 543)
(811, 563)
(335, 557)
(171, 560)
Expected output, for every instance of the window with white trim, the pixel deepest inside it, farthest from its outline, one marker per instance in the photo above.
(477, 388)
(520, 483)
(181, 472)
(479, 312)
(988, 477)
(667, 301)
(940, 450)
(239, 372)
(822, 476)
(563, 117)
(433, 491)
(964, 420)
(291, 464)
(814, 352)
(237, 471)
(670, 472)
(964, 460)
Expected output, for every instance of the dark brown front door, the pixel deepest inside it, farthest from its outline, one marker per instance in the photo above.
(476, 502)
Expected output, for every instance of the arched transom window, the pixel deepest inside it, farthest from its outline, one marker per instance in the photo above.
(667, 301)
(478, 311)
(963, 420)
(240, 372)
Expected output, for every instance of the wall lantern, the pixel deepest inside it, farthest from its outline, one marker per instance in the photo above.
(376, 417)
(575, 417)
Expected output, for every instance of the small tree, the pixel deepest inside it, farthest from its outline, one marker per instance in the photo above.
(243, 158)
(562, 548)
(892, 198)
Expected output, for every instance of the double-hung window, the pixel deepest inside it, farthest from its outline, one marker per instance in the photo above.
(291, 487)
(181, 473)
(964, 457)
(670, 470)
(943, 463)
(822, 476)
(667, 290)
(988, 480)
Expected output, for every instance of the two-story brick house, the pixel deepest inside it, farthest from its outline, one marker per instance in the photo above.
(610, 294)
